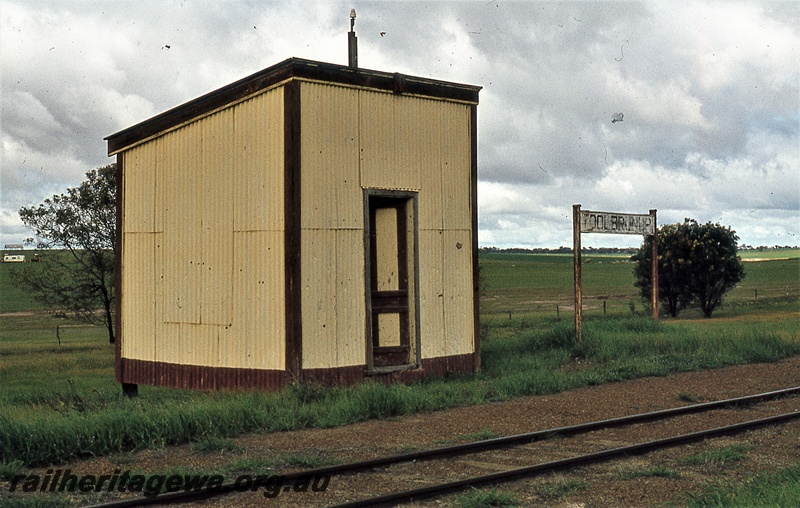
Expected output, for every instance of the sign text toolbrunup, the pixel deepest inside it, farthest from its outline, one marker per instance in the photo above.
(617, 223)
(610, 222)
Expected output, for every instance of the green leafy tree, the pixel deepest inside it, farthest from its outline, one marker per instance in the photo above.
(697, 265)
(79, 228)
(673, 288)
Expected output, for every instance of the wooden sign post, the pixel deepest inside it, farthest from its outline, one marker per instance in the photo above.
(585, 221)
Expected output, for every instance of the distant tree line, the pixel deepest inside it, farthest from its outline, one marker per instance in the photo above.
(764, 248)
(560, 250)
(608, 250)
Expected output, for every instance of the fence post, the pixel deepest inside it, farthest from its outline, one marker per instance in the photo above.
(654, 267)
(576, 249)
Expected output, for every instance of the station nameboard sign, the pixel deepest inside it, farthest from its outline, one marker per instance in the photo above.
(585, 221)
(617, 223)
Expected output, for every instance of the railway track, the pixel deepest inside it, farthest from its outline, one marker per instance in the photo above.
(606, 450)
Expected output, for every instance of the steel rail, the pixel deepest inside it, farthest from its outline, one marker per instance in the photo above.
(460, 449)
(396, 498)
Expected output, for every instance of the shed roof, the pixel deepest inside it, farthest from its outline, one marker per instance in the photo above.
(290, 68)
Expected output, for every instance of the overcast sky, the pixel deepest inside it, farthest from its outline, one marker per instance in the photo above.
(710, 93)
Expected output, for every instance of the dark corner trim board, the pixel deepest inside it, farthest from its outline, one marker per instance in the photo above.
(118, 289)
(292, 240)
(476, 296)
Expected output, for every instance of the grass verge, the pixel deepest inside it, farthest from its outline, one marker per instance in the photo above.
(41, 427)
(780, 488)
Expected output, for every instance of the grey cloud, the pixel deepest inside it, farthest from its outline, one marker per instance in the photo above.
(709, 92)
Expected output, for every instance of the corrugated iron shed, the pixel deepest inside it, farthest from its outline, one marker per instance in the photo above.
(308, 222)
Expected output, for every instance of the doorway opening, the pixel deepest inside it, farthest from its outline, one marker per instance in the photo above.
(392, 337)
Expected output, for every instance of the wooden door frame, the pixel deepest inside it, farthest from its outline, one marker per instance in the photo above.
(411, 199)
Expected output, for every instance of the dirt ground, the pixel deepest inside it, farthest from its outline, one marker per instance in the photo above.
(616, 483)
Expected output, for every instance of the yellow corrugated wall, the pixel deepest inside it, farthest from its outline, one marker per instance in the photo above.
(456, 212)
(203, 257)
(425, 145)
(332, 229)
(359, 139)
(204, 230)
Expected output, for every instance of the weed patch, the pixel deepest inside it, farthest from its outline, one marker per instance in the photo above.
(37, 501)
(718, 457)
(780, 488)
(475, 498)
(481, 435)
(10, 469)
(560, 488)
(651, 472)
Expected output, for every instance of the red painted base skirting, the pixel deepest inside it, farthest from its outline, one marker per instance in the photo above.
(197, 377)
(225, 378)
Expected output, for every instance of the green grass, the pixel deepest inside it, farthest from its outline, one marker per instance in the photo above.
(14, 297)
(687, 397)
(59, 402)
(36, 501)
(10, 469)
(541, 285)
(719, 457)
(769, 254)
(216, 444)
(778, 489)
(481, 435)
(253, 465)
(475, 498)
(651, 472)
(57, 420)
(560, 488)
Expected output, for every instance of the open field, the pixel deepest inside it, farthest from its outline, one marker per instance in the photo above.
(59, 400)
(541, 285)
(14, 298)
(754, 254)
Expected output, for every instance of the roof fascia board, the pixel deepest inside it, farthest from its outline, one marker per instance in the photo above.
(283, 71)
